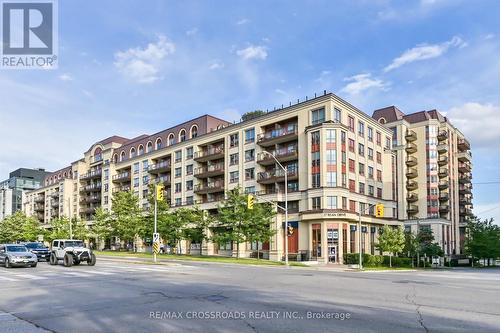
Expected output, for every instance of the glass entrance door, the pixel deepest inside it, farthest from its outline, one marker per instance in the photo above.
(332, 238)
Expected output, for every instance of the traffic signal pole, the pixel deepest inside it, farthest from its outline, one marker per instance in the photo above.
(155, 223)
(377, 214)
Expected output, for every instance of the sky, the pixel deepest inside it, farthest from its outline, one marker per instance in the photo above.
(143, 66)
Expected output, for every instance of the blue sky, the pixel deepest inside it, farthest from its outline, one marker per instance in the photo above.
(139, 67)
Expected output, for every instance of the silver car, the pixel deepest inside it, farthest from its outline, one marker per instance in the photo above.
(17, 255)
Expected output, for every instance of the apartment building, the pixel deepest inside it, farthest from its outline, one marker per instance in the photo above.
(433, 181)
(339, 163)
(13, 189)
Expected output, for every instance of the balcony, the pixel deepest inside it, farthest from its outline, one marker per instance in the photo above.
(464, 156)
(463, 144)
(121, 177)
(209, 154)
(278, 135)
(444, 196)
(465, 189)
(39, 199)
(410, 135)
(92, 175)
(464, 167)
(411, 173)
(210, 187)
(90, 198)
(463, 200)
(121, 189)
(442, 149)
(411, 161)
(412, 209)
(443, 185)
(466, 211)
(55, 203)
(443, 160)
(465, 179)
(277, 175)
(39, 208)
(411, 185)
(443, 172)
(166, 180)
(54, 194)
(209, 171)
(163, 166)
(87, 210)
(442, 135)
(282, 155)
(91, 188)
(444, 209)
(412, 197)
(411, 148)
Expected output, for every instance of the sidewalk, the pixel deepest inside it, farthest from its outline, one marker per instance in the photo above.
(12, 324)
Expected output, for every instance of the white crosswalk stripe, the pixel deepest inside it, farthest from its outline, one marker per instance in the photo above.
(7, 278)
(31, 277)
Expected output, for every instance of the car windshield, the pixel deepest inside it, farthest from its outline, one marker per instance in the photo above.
(34, 245)
(17, 248)
(73, 244)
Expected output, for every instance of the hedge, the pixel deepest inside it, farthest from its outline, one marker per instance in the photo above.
(376, 260)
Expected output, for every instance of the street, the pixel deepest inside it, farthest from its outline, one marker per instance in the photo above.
(116, 296)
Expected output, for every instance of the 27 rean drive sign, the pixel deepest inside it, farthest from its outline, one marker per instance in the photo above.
(29, 34)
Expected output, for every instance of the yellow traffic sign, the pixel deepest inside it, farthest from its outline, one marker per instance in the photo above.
(156, 248)
(160, 192)
(250, 201)
(379, 210)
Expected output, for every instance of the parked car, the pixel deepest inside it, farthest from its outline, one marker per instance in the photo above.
(41, 251)
(17, 255)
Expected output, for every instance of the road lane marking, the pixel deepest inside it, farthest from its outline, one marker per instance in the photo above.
(76, 274)
(31, 277)
(7, 279)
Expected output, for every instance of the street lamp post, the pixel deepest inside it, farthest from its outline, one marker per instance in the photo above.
(359, 233)
(285, 170)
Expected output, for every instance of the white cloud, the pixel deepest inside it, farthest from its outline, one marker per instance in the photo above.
(192, 32)
(253, 52)
(243, 21)
(489, 36)
(424, 51)
(472, 116)
(216, 65)
(142, 65)
(362, 82)
(65, 77)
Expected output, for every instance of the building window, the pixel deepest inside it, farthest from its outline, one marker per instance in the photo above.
(189, 153)
(158, 143)
(379, 192)
(250, 135)
(178, 172)
(352, 185)
(370, 172)
(351, 165)
(331, 202)
(371, 190)
(194, 131)
(249, 173)
(330, 136)
(315, 159)
(145, 180)
(378, 138)
(178, 187)
(178, 201)
(351, 145)
(370, 154)
(318, 116)
(132, 152)
(171, 139)
(189, 185)
(387, 142)
(149, 147)
(316, 203)
(234, 177)
(370, 134)
(189, 170)
(178, 156)
(337, 115)
(136, 167)
(362, 188)
(249, 155)
(379, 157)
(250, 189)
(361, 169)
(331, 179)
(351, 123)
(234, 159)
(233, 140)
(361, 128)
(379, 175)
(145, 165)
(136, 182)
(189, 200)
(352, 205)
(182, 135)
(361, 149)
(140, 150)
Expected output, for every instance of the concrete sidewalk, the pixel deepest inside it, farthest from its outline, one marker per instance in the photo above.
(12, 324)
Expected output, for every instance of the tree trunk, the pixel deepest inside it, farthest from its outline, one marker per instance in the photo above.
(258, 251)
(237, 250)
(390, 260)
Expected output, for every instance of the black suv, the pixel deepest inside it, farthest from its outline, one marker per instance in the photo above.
(41, 251)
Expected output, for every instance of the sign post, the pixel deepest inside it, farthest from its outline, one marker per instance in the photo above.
(159, 195)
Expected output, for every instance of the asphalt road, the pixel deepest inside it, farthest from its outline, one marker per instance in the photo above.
(125, 297)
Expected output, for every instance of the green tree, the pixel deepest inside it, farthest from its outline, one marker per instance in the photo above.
(19, 227)
(426, 244)
(411, 244)
(483, 239)
(252, 114)
(259, 228)
(59, 229)
(127, 217)
(195, 224)
(391, 240)
(103, 224)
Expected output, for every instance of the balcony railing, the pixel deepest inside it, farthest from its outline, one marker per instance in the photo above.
(278, 135)
(465, 179)
(411, 161)
(443, 172)
(212, 153)
(209, 171)
(442, 135)
(91, 187)
(39, 208)
(411, 185)
(91, 198)
(39, 199)
(411, 173)
(443, 184)
(282, 155)
(91, 175)
(465, 211)
(444, 209)
(443, 160)
(209, 187)
(442, 149)
(163, 180)
(122, 177)
(121, 189)
(412, 209)
(410, 135)
(411, 148)
(159, 167)
(412, 197)
(464, 167)
(465, 189)
(277, 175)
(463, 144)
(444, 196)
(465, 156)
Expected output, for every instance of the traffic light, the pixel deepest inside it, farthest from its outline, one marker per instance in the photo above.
(250, 201)
(289, 230)
(379, 210)
(160, 196)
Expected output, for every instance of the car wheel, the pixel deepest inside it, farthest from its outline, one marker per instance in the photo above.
(92, 260)
(53, 259)
(34, 265)
(68, 260)
(7, 263)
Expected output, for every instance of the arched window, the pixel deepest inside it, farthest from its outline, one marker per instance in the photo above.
(66, 174)
(97, 154)
(194, 131)
(171, 139)
(115, 158)
(158, 143)
(140, 150)
(149, 147)
(122, 156)
(132, 152)
(182, 135)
